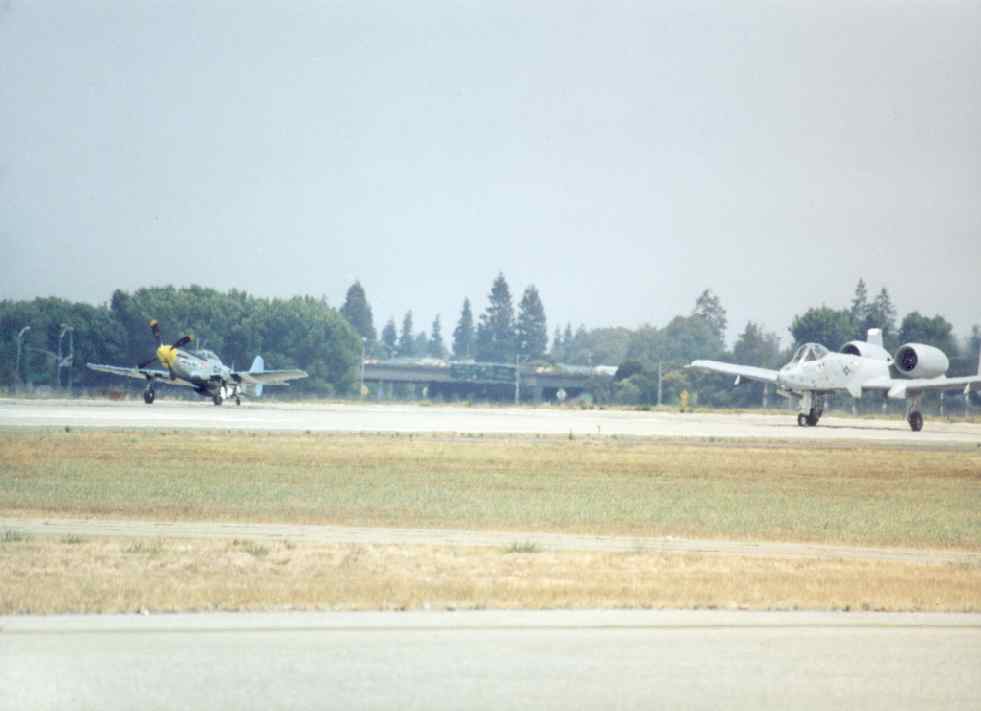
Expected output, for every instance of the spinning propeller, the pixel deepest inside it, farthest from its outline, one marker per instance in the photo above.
(165, 354)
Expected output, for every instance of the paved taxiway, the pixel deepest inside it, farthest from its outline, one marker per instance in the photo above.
(493, 660)
(267, 416)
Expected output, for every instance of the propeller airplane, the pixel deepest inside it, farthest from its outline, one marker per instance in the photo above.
(201, 370)
(815, 372)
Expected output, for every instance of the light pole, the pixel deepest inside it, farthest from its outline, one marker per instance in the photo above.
(66, 361)
(20, 339)
(364, 344)
(517, 372)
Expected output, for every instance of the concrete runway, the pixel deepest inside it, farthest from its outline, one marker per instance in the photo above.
(493, 660)
(267, 416)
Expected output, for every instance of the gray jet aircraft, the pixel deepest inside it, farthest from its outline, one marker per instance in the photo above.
(201, 370)
(815, 372)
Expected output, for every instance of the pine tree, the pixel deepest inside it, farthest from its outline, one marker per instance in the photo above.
(495, 333)
(531, 332)
(556, 352)
(463, 335)
(390, 337)
(709, 307)
(407, 344)
(882, 314)
(420, 344)
(358, 313)
(860, 302)
(436, 347)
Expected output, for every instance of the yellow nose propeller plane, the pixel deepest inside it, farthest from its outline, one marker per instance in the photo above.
(201, 370)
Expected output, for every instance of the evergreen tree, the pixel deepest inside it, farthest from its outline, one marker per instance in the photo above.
(495, 332)
(436, 347)
(390, 337)
(556, 352)
(860, 303)
(358, 313)
(420, 344)
(567, 342)
(755, 347)
(709, 307)
(463, 335)
(882, 314)
(407, 344)
(531, 331)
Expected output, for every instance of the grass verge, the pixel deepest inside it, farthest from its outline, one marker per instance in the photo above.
(783, 492)
(47, 576)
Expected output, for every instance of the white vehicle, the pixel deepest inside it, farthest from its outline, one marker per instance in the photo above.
(815, 372)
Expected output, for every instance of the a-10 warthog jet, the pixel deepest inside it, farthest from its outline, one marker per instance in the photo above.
(815, 372)
(201, 370)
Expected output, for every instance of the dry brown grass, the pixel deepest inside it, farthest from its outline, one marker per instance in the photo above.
(46, 576)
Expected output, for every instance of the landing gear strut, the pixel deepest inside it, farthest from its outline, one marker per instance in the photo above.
(913, 415)
(811, 409)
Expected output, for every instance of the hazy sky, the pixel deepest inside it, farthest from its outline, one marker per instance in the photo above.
(620, 156)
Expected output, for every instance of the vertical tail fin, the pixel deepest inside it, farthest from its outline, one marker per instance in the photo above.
(258, 366)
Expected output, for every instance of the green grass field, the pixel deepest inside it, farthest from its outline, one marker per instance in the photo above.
(781, 492)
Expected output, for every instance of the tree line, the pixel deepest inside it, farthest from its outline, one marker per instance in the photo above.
(302, 332)
(328, 343)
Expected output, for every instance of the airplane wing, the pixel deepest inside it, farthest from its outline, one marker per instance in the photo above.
(137, 373)
(762, 375)
(268, 377)
(899, 387)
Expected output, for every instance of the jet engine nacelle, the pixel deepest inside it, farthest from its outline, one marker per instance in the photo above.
(916, 360)
(866, 350)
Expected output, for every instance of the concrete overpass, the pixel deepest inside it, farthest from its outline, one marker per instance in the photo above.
(536, 382)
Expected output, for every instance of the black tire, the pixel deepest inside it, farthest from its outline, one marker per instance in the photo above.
(802, 420)
(238, 401)
(915, 420)
(216, 399)
(149, 396)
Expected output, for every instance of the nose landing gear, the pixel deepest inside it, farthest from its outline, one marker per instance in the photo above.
(811, 409)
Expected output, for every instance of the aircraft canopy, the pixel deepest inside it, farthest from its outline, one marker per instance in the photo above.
(808, 352)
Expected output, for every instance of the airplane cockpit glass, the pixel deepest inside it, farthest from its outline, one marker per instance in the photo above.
(809, 352)
(205, 355)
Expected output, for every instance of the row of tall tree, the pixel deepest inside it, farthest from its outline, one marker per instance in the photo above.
(306, 332)
(500, 335)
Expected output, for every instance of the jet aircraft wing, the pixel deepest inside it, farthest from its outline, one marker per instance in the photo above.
(898, 387)
(762, 375)
(268, 377)
(137, 373)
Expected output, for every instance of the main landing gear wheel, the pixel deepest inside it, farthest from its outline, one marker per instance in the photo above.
(810, 419)
(238, 400)
(216, 399)
(915, 420)
(149, 396)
